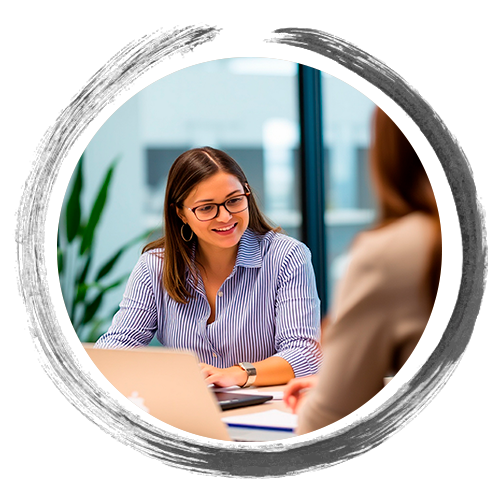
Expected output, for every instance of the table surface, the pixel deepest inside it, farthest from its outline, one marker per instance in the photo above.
(271, 405)
(400, 437)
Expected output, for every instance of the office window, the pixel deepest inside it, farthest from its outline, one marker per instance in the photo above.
(349, 202)
(246, 107)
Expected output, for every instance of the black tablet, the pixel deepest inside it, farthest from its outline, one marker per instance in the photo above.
(230, 400)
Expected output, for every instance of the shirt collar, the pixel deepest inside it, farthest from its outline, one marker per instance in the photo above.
(249, 254)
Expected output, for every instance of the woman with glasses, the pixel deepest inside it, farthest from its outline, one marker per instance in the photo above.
(222, 282)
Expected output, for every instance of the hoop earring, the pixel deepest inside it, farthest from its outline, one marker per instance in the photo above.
(182, 233)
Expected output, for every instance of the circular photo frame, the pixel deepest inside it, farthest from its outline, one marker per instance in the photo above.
(59, 355)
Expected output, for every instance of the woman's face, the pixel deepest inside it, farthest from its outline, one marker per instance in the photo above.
(225, 230)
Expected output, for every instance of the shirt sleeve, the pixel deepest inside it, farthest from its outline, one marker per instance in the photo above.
(135, 324)
(298, 314)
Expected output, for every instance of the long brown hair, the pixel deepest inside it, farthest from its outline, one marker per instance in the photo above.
(187, 171)
(401, 184)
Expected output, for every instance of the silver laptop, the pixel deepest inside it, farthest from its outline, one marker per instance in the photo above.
(167, 384)
(166, 388)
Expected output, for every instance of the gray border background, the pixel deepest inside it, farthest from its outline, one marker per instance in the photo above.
(463, 46)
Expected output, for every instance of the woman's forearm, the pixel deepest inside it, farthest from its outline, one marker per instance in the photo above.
(273, 371)
(270, 371)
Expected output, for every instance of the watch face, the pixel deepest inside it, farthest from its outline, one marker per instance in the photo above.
(249, 368)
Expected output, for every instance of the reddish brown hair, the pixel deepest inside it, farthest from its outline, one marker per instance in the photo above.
(401, 183)
(187, 171)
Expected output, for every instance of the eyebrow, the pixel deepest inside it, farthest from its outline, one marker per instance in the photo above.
(227, 196)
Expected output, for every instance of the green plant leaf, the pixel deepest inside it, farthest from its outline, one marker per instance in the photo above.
(108, 266)
(97, 208)
(82, 276)
(73, 209)
(81, 288)
(96, 331)
(93, 285)
(92, 308)
(82, 228)
(60, 261)
(81, 292)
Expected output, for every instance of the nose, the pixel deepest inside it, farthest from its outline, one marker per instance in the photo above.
(224, 214)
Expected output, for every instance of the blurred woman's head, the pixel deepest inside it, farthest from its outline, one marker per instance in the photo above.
(401, 184)
(213, 171)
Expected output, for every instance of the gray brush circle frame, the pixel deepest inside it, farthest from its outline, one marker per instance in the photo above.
(277, 459)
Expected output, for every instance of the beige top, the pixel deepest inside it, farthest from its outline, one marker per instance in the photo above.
(382, 308)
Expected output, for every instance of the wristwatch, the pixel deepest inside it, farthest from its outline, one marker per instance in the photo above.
(251, 373)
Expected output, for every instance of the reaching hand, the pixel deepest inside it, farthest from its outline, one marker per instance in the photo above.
(223, 377)
(296, 390)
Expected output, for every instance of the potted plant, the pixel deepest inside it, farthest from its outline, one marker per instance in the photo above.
(82, 287)
(85, 283)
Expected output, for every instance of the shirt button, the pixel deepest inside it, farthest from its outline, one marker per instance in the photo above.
(214, 355)
(220, 294)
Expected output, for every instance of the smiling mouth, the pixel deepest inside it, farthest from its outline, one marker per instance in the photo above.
(225, 229)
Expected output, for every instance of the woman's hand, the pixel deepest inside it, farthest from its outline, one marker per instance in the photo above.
(296, 390)
(223, 377)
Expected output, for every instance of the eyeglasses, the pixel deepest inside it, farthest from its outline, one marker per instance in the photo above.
(210, 211)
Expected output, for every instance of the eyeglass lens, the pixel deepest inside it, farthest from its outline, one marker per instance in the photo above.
(233, 206)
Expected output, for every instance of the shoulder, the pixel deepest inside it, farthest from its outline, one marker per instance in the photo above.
(151, 262)
(280, 247)
(387, 265)
(400, 247)
(408, 234)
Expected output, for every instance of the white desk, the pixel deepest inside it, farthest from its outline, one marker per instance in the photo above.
(239, 433)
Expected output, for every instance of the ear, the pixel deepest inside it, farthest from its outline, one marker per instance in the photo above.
(180, 215)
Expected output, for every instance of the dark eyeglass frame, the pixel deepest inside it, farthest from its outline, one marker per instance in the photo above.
(218, 205)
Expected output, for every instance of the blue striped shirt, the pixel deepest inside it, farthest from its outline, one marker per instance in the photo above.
(268, 306)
